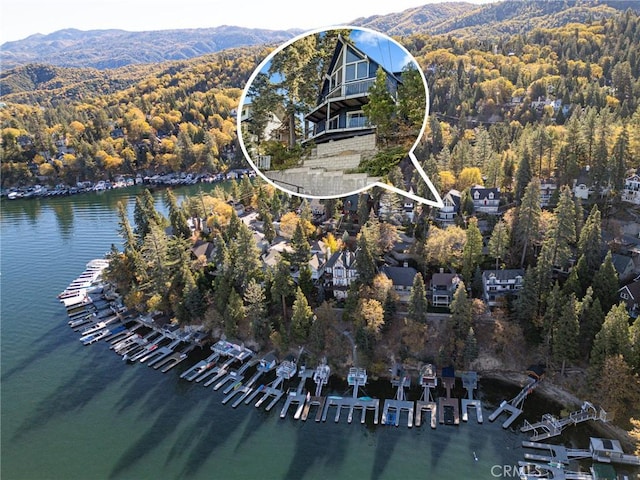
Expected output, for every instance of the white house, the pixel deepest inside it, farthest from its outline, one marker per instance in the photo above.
(631, 191)
(499, 284)
(340, 272)
(447, 214)
(485, 200)
(547, 189)
(442, 287)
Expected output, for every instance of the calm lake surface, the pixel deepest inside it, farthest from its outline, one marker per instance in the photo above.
(75, 412)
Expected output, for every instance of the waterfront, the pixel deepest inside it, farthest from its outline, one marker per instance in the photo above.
(70, 411)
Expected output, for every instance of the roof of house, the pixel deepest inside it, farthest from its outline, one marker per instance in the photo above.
(485, 192)
(316, 261)
(203, 248)
(621, 262)
(400, 275)
(444, 279)
(347, 256)
(633, 288)
(503, 275)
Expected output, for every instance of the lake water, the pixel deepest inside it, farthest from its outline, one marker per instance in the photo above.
(75, 412)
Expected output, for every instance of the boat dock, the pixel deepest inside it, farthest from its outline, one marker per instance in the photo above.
(514, 406)
(160, 353)
(285, 371)
(321, 378)
(551, 426)
(296, 397)
(235, 376)
(428, 380)
(357, 378)
(200, 367)
(265, 365)
(233, 352)
(167, 363)
(448, 406)
(536, 471)
(393, 408)
(470, 383)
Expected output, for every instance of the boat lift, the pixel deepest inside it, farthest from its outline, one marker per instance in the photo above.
(428, 380)
(394, 407)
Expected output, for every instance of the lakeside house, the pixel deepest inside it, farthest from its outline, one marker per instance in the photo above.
(485, 200)
(338, 113)
(498, 285)
(340, 273)
(442, 287)
(401, 278)
(631, 191)
(548, 189)
(447, 214)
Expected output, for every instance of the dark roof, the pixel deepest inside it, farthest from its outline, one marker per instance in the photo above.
(203, 248)
(348, 259)
(620, 262)
(400, 275)
(443, 278)
(484, 192)
(506, 274)
(633, 288)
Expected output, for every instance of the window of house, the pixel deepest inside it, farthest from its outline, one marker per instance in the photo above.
(490, 195)
(476, 195)
(334, 122)
(356, 68)
(356, 119)
(624, 295)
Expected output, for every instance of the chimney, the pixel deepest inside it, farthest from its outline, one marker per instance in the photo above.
(405, 264)
(441, 270)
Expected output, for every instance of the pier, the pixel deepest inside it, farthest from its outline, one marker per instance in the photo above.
(297, 397)
(393, 408)
(514, 406)
(357, 378)
(428, 380)
(470, 383)
(235, 376)
(285, 371)
(200, 367)
(242, 391)
(601, 450)
(320, 378)
(551, 426)
(167, 363)
(448, 406)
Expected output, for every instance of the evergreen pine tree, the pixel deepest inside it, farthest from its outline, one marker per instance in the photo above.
(528, 218)
(605, 284)
(472, 251)
(417, 307)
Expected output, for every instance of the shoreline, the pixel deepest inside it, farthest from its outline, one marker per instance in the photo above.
(552, 392)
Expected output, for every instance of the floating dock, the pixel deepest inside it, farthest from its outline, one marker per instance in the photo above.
(357, 378)
(448, 406)
(470, 383)
(393, 408)
(428, 380)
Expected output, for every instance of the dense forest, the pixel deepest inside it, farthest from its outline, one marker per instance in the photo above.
(508, 111)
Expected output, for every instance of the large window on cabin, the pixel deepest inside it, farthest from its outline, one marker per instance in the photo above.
(356, 68)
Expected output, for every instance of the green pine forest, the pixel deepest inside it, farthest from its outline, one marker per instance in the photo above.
(507, 109)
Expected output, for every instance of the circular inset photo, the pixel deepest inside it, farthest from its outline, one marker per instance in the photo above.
(330, 112)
